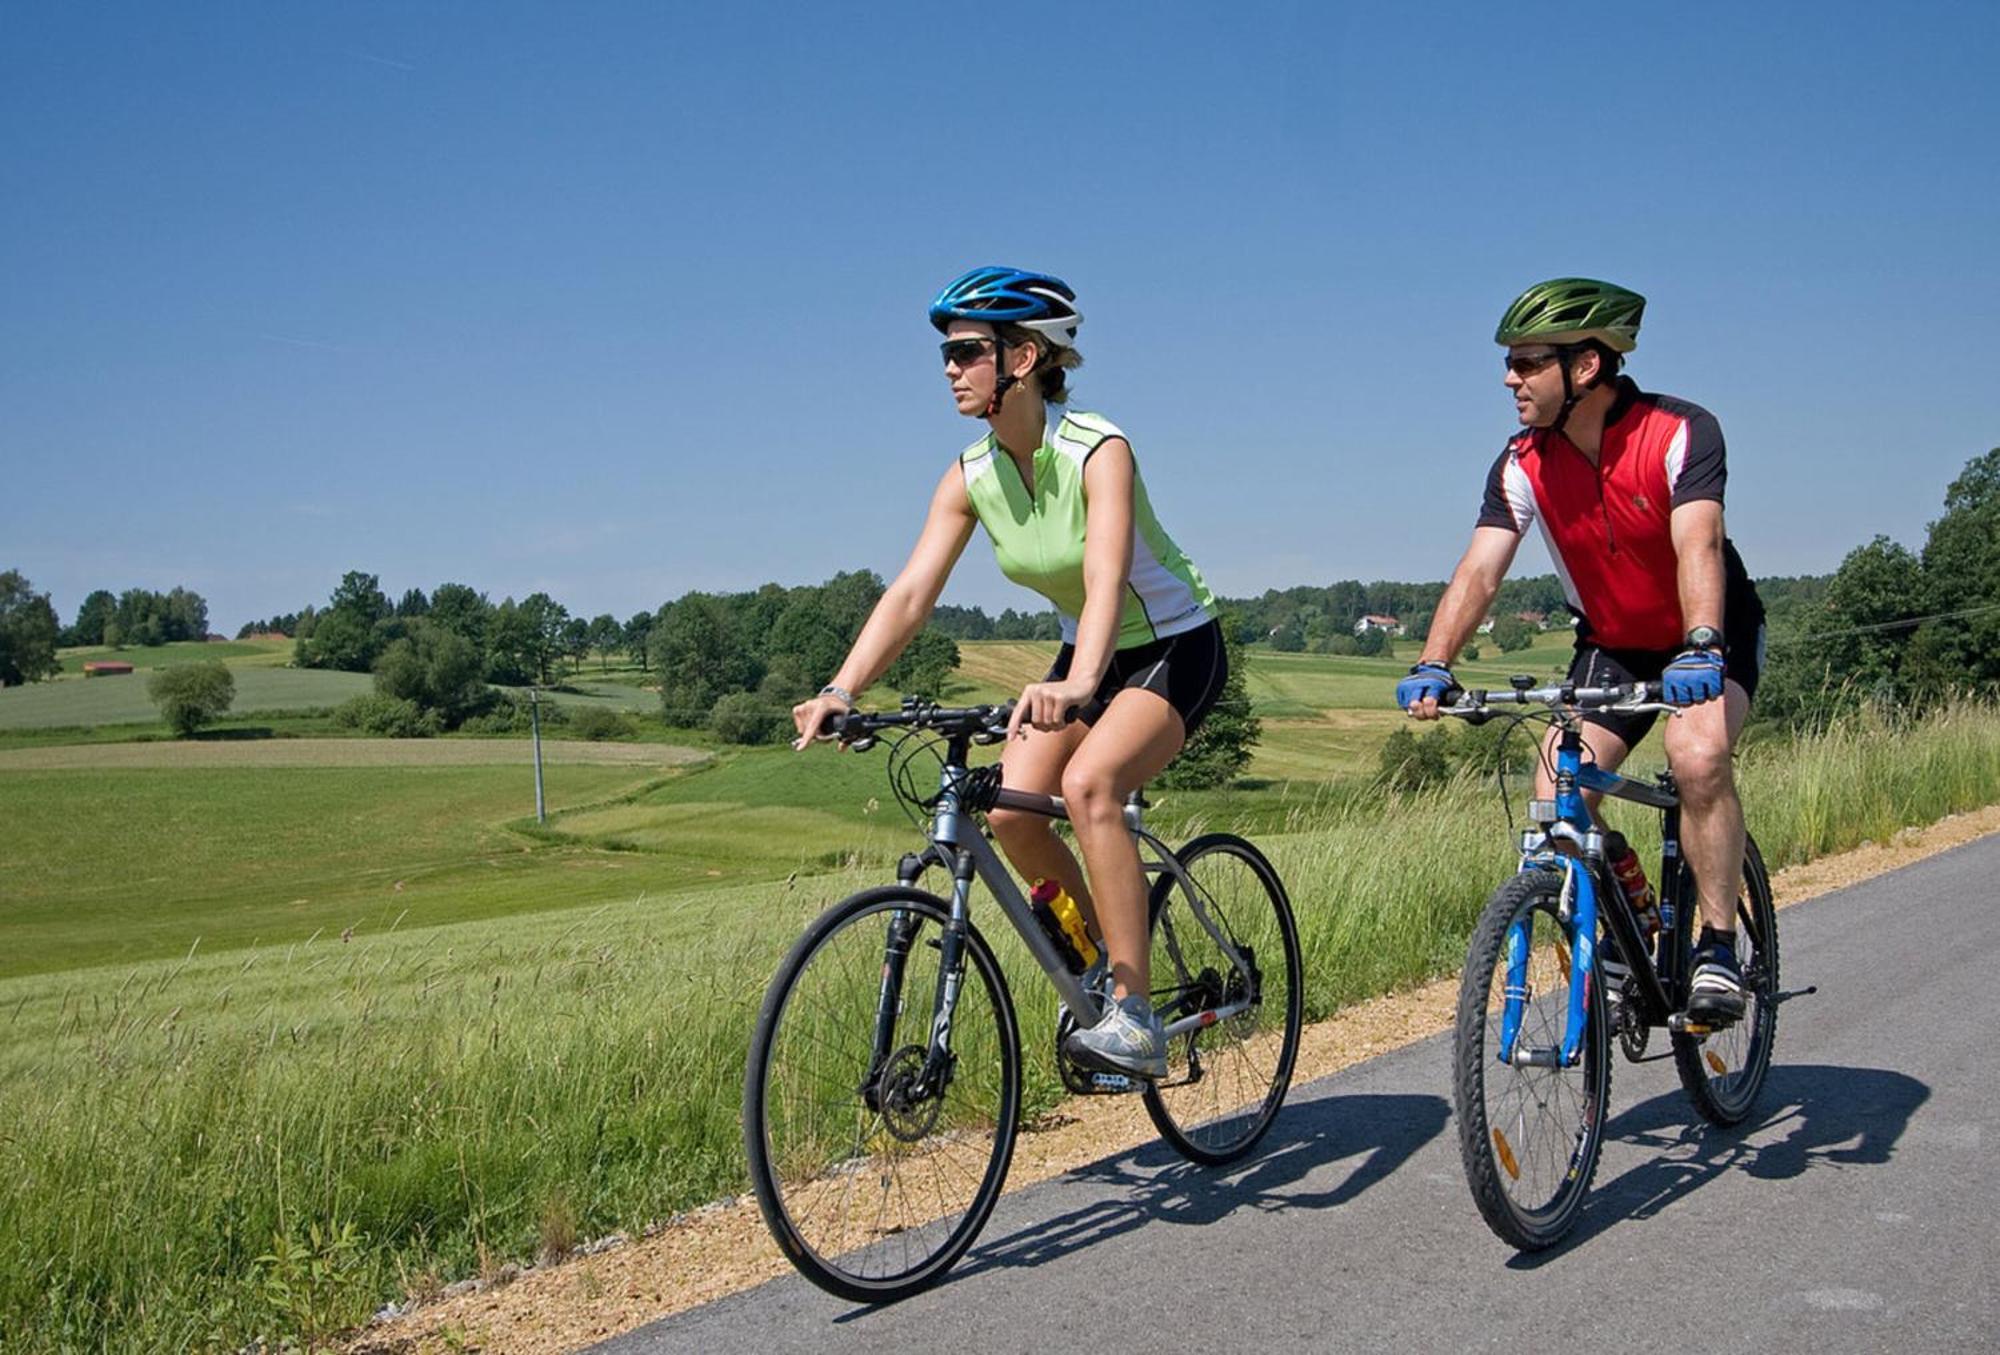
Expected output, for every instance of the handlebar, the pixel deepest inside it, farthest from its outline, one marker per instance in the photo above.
(1475, 704)
(981, 724)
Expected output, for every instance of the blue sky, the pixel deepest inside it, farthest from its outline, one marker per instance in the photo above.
(617, 301)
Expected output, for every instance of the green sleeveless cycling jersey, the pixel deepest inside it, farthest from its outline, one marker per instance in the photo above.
(1038, 537)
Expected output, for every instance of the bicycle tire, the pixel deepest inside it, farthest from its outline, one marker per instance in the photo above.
(1226, 1081)
(872, 1193)
(1529, 1137)
(1724, 1071)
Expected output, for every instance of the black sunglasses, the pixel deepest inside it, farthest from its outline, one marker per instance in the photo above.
(965, 352)
(1527, 364)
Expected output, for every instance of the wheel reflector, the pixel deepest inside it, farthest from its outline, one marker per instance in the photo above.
(1506, 1155)
(1715, 1062)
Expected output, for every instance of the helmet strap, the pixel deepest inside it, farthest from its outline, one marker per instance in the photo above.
(1564, 356)
(1003, 381)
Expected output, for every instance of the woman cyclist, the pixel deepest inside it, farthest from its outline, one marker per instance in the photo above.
(1142, 658)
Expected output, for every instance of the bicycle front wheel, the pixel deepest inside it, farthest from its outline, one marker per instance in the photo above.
(875, 1156)
(1724, 1070)
(1226, 1080)
(1530, 1126)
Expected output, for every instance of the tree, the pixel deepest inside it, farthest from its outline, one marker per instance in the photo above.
(340, 639)
(361, 596)
(190, 695)
(575, 640)
(545, 619)
(435, 668)
(924, 665)
(699, 657)
(462, 611)
(1221, 748)
(97, 609)
(27, 632)
(1511, 633)
(1961, 565)
(606, 635)
(414, 603)
(637, 630)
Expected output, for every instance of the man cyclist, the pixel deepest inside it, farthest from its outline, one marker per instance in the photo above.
(1626, 487)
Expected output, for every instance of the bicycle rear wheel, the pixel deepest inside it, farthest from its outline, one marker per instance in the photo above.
(1724, 1070)
(1529, 1135)
(875, 1167)
(1225, 1081)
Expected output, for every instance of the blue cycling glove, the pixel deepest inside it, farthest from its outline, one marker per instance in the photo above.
(1426, 679)
(1693, 677)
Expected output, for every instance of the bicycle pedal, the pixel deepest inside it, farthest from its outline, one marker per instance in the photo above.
(1114, 1084)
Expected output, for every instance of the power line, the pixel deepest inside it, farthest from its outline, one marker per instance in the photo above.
(1885, 625)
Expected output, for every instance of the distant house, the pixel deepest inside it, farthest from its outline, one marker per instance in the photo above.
(106, 668)
(1373, 621)
(1486, 626)
(1539, 620)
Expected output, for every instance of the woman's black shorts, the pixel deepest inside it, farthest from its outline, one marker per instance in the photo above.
(1187, 669)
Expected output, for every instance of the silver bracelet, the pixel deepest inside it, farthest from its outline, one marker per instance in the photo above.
(831, 690)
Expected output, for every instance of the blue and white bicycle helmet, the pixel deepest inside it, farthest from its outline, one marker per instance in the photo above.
(1011, 296)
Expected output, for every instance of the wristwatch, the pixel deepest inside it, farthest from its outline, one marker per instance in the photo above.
(1705, 637)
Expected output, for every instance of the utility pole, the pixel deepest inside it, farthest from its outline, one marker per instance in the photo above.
(535, 722)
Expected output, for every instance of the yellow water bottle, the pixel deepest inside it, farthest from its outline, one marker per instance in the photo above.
(1062, 921)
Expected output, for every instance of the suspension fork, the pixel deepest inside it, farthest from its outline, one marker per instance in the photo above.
(1578, 913)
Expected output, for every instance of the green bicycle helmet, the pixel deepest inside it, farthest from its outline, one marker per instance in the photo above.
(1571, 311)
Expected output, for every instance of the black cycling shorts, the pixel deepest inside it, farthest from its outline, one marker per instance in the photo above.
(1188, 670)
(1596, 666)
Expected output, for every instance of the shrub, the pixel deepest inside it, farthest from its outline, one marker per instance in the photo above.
(598, 724)
(745, 717)
(190, 695)
(391, 717)
(510, 713)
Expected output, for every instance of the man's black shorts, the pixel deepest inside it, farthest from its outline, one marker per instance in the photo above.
(1596, 666)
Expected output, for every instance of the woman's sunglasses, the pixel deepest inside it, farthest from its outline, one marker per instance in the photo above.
(964, 352)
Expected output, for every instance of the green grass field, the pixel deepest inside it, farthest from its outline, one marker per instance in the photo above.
(264, 686)
(293, 1027)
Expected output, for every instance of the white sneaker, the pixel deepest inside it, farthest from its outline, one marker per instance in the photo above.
(1130, 1039)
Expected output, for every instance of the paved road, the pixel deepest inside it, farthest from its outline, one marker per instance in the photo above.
(1857, 1213)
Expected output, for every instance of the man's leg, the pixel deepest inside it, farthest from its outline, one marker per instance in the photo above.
(1700, 744)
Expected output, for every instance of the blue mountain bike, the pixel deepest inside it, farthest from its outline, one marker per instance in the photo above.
(1531, 1058)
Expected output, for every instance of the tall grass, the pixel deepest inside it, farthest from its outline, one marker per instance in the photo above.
(274, 1142)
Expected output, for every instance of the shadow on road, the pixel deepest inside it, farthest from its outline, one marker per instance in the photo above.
(1811, 1117)
(1381, 1131)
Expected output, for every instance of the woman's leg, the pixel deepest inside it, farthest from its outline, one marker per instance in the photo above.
(1132, 742)
(1034, 763)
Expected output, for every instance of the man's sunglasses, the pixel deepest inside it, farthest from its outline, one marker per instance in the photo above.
(1527, 364)
(964, 352)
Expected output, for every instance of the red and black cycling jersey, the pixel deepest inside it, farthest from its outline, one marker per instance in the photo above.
(1607, 523)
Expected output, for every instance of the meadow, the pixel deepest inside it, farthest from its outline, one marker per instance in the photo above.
(267, 692)
(281, 1043)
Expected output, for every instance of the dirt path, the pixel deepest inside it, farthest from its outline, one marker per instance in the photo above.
(341, 753)
(723, 1247)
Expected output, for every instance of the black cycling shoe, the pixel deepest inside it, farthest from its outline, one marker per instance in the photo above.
(1715, 989)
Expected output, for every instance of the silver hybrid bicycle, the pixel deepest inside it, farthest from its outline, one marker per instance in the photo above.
(883, 1091)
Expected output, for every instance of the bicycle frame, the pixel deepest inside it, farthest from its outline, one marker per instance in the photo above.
(1569, 839)
(957, 843)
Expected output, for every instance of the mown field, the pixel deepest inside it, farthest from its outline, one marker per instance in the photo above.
(265, 687)
(279, 1043)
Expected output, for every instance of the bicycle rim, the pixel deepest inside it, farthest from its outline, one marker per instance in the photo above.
(873, 1182)
(1225, 1082)
(1529, 1136)
(1724, 1070)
